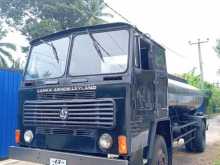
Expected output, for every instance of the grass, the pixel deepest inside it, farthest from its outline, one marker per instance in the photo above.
(217, 162)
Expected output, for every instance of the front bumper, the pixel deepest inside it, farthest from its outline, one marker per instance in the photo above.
(43, 157)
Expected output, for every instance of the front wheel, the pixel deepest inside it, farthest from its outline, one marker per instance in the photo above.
(160, 154)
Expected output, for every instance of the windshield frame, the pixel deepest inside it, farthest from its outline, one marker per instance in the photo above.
(74, 35)
(48, 40)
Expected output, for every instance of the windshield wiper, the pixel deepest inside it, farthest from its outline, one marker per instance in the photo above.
(97, 46)
(51, 45)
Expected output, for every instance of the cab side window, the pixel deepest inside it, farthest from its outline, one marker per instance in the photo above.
(160, 59)
(142, 54)
(137, 58)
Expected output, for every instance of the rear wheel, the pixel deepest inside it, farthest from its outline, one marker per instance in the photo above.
(160, 154)
(198, 144)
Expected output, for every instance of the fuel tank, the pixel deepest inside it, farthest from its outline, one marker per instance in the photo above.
(184, 96)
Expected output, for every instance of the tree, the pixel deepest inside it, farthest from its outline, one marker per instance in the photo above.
(5, 50)
(217, 47)
(211, 92)
(35, 18)
(192, 78)
(17, 64)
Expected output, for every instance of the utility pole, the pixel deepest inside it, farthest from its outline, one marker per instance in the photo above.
(198, 43)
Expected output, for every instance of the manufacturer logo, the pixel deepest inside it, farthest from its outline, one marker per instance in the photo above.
(64, 113)
(67, 88)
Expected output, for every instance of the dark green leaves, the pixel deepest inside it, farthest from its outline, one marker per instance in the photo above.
(212, 92)
(5, 50)
(217, 48)
(35, 18)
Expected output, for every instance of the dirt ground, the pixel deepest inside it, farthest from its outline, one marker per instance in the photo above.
(180, 157)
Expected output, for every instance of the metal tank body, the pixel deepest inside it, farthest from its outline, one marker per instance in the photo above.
(184, 96)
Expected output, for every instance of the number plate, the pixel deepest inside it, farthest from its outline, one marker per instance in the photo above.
(54, 161)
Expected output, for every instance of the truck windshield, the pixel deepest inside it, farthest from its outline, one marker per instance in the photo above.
(99, 53)
(92, 53)
(48, 59)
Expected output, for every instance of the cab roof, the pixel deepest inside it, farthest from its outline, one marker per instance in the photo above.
(94, 27)
(77, 29)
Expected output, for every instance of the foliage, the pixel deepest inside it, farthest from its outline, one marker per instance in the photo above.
(5, 50)
(192, 79)
(17, 64)
(217, 47)
(25, 49)
(35, 18)
(216, 162)
(212, 92)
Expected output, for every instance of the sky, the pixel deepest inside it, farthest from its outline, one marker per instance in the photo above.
(172, 23)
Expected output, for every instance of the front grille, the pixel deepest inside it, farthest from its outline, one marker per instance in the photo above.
(81, 112)
(64, 131)
(90, 94)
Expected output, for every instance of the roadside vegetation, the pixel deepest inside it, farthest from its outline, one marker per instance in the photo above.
(211, 92)
(36, 18)
(6, 50)
(217, 161)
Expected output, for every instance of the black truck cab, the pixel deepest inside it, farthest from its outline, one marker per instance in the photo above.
(95, 95)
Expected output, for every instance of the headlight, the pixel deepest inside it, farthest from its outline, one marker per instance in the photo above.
(28, 136)
(105, 141)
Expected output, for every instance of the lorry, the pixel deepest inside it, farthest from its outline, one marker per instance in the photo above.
(101, 94)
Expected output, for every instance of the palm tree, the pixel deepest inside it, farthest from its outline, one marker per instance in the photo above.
(217, 47)
(91, 11)
(5, 54)
(5, 49)
(95, 12)
(17, 64)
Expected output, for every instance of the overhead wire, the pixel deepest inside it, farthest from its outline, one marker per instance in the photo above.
(128, 21)
(116, 12)
(174, 52)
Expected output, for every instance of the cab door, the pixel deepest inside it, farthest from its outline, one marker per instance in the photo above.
(143, 89)
(161, 81)
(149, 89)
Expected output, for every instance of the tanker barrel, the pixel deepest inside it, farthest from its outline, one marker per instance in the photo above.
(183, 95)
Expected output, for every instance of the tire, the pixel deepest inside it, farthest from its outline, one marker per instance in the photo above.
(199, 143)
(160, 154)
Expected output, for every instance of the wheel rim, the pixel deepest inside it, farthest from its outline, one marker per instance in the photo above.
(161, 158)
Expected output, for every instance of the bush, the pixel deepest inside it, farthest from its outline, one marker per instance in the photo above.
(211, 92)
